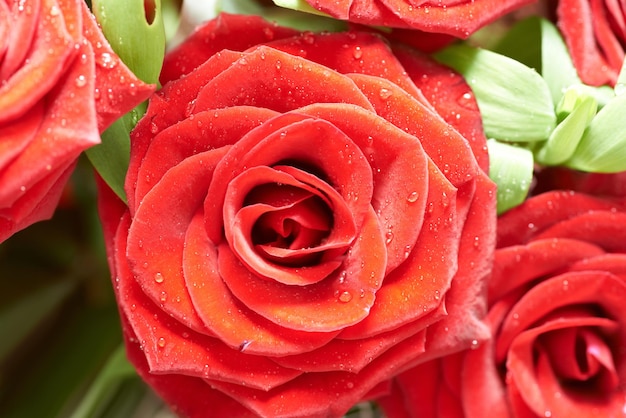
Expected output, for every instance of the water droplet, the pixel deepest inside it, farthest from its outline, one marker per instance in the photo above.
(163, 297)
(565, 284)
(412, 197)
(342, 276)
(476, 241)
(547, 414)
(437, 296)
(388, 237)
(158, 277)
(81, 80)
(385, 93)
(154, 128)
(357, 53)
(362, 293)
(466, 101)
(106, 60)
(278, 64)
(54, 11)
(349, 385)
(345, 297)
(474, 344)
(161, 342)
(243, 61)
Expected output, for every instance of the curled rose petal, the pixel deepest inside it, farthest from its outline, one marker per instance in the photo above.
(595, 34)
(50, 106)
(556, 312)
(460, 18)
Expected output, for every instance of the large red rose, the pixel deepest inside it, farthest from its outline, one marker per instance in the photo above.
(60, 85)
(306, 219)
(595, 34)
(459, 18)
(556, 309)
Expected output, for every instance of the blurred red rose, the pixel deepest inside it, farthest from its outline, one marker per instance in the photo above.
(302, 222)
(556, 309)
(595, 34)
(459, 18)
(60, 85)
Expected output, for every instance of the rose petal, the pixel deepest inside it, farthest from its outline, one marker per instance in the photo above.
(398, 199)
(596, 227)
(417, 286)
(171, 347)
(239, 227)
(590, 287)
(19, 35)
(202, 132)
(52, 49)
(516, 267)
(521, 224)
(156, 239)
(216, 36)
(342, 299)
(278, 81)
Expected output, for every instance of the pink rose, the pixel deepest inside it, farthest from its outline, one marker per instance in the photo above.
(306, 218)
(60, 86)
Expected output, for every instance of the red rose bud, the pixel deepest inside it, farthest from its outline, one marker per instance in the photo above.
(459, 18)
(61, 84)
(595, 33)
(556, 310)
(308, 215)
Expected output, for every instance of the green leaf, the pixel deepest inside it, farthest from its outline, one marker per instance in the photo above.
(557, 67)
(111, 157)
(603, 145)
(514, 100)
(523, 43)
(20, 319)
(578, 110)
(511, 168)
(136, 33)
(59, 366)
(102, 390)
(299, 5)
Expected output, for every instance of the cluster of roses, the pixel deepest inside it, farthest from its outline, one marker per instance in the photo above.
(309, 220)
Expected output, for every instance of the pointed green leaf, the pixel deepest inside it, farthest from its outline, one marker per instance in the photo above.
(514, 100)
(603, 146)
(109, 379)
(136, 32)
(511, 168)
(578, 109)
(111, 157)
(299, 5)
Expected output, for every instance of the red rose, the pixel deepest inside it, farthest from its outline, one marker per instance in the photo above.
(556, 309)
(302, 224)
(595, 34)
(460, 18)
(60, 86)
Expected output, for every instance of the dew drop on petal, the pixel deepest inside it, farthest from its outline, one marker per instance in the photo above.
(357, 53)
(81, 80)
(412, 197)
(385, 93)
(345, 297)
(161, 342)
(158, 277)
(163, 297)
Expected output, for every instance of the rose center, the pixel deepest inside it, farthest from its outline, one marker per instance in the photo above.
(295, 223)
